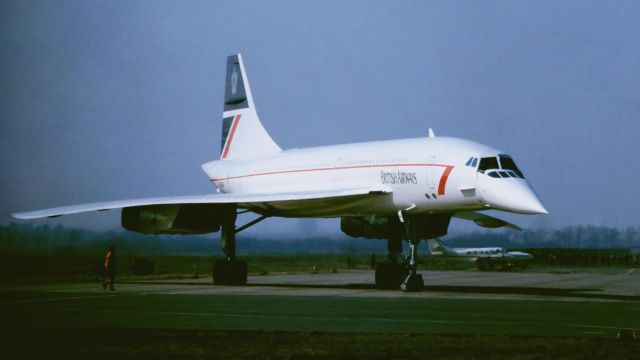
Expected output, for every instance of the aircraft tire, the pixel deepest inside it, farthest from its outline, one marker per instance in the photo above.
(389, 275)
(227, 272)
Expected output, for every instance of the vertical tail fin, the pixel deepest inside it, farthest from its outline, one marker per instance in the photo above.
(437, 246)
(243, 135)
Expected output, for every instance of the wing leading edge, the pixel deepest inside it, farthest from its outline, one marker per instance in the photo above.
(245, 199)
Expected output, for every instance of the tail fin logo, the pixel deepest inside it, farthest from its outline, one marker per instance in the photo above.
(234, 81)
(235, 95)
(249, 139)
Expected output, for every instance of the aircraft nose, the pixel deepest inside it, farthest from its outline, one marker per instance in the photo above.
(511, 195)
(529, 203)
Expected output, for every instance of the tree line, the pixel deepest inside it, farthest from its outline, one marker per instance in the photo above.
(28, 238)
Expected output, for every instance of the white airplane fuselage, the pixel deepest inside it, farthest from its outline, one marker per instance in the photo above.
(391, 179)
(395, 189)
(472, 254)
(424, 175)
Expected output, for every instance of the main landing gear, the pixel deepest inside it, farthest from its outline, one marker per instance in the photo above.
(412, 280)
(391, 275)
(231, 271)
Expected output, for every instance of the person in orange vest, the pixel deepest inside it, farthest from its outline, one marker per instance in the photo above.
(110, 268)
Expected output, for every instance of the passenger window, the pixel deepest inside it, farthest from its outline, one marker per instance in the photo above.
(493, 174)
(488, 163)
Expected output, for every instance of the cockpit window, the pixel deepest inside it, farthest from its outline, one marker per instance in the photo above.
(488, 163)
(493, 174)
(474, 162)
(507, 163)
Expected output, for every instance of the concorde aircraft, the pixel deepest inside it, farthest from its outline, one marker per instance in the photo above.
(485, 258)
(397, 190)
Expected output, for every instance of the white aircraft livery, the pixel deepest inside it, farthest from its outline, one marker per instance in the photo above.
(396, 190)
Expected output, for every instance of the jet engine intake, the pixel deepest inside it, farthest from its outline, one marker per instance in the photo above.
(373, 228)
(426, 226)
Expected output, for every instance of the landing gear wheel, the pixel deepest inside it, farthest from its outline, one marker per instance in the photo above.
(389, 275)
(412, 283)
(229, 272)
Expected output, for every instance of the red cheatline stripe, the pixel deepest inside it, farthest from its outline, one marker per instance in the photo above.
(443, 180)
(227, 145)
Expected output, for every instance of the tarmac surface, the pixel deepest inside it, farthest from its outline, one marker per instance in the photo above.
(438, 284)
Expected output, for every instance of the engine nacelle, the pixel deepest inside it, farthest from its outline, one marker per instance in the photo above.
(373, 228)
(174, 219)
(425, 226)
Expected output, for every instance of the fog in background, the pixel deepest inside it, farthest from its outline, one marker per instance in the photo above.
(105, 100)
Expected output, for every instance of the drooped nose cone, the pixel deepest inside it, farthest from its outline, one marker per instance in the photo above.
(510, 194)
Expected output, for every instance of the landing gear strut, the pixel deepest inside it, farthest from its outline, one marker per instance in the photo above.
(229, 271)
(412, 280)
(389, 274)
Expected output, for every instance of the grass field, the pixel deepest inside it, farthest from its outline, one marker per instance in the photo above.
(82, 320)
(321, 313)
(143, 343)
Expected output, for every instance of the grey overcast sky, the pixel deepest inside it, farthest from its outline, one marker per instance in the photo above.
(105, 100)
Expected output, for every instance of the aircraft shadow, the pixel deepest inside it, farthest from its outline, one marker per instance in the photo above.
(583, 293)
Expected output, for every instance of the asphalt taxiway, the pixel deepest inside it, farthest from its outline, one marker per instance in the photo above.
(624, 285)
